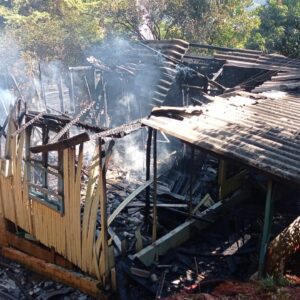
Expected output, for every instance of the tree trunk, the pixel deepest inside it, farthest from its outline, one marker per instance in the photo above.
(282, 247)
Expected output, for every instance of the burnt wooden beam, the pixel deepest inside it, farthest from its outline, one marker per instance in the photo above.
(148, 162)
(61, 145)
(63, 119)
(184, 232)
(36, 250)
(84, 283)
(154, 195)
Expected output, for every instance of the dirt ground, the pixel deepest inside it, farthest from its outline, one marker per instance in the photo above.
(256, 290)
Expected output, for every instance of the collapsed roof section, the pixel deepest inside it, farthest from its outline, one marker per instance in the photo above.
(243, 122)
(257, 130)
(152, 64)
(255, 121)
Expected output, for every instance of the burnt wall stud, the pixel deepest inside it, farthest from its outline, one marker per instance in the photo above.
(148, 162)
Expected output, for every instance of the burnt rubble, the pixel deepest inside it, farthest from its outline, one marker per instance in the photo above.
(161, 167)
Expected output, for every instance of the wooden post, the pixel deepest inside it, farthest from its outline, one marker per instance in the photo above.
(222, 176)
(45, 159)
(154, 227)
(266, 229)
(104, 266)
(191, 180)
(148, 162)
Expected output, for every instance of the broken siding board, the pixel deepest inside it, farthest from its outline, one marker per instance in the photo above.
(8, 199)
(93, 174)
(16, 184)
(92, 228)
(27, 202)
(2, 211)
(77, 200)
(66, 201)
(70, 213)
(104, 265)
(93, 191)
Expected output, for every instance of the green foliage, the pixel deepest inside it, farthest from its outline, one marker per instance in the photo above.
(52, 29)
(279, 29)
(271, 283)
(268, 283)
(233, 24)
(64, 29)
(228, 23)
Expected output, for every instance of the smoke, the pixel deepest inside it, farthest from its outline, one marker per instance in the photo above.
(131, 73)
(129, 154)
(124, 90)
(7, 98)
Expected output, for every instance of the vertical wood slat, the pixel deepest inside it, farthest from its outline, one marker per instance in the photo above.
(27, 175)
(22, 198)
(66, 202)
(77, 199)
(11, 154)
(64, 233)
(70, 213)
(93, 174)
(103, 263)
(2, 211)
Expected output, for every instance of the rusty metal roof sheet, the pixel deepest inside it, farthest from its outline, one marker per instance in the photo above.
(259, 130)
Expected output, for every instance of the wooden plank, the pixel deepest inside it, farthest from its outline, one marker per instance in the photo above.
(202, 202)
(17, 183)
(3, 232)
(26, 177)
(115, 239)
(36, 250)
(72, 208)
(73, 279)
(77, 207)
(104, 261)
(62, 145)
(93, 174)
(154, 195)
(127, 200)
(91, 230)
(66, 202)
(148, 161)
(174, 238)
(184, 231)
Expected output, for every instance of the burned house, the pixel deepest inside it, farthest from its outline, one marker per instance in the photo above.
(230, 114)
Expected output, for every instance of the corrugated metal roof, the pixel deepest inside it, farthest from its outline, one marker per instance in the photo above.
(260, 130)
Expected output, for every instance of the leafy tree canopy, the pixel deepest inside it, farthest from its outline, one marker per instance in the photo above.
(279, 29)
(50, 30)
(226, 22)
